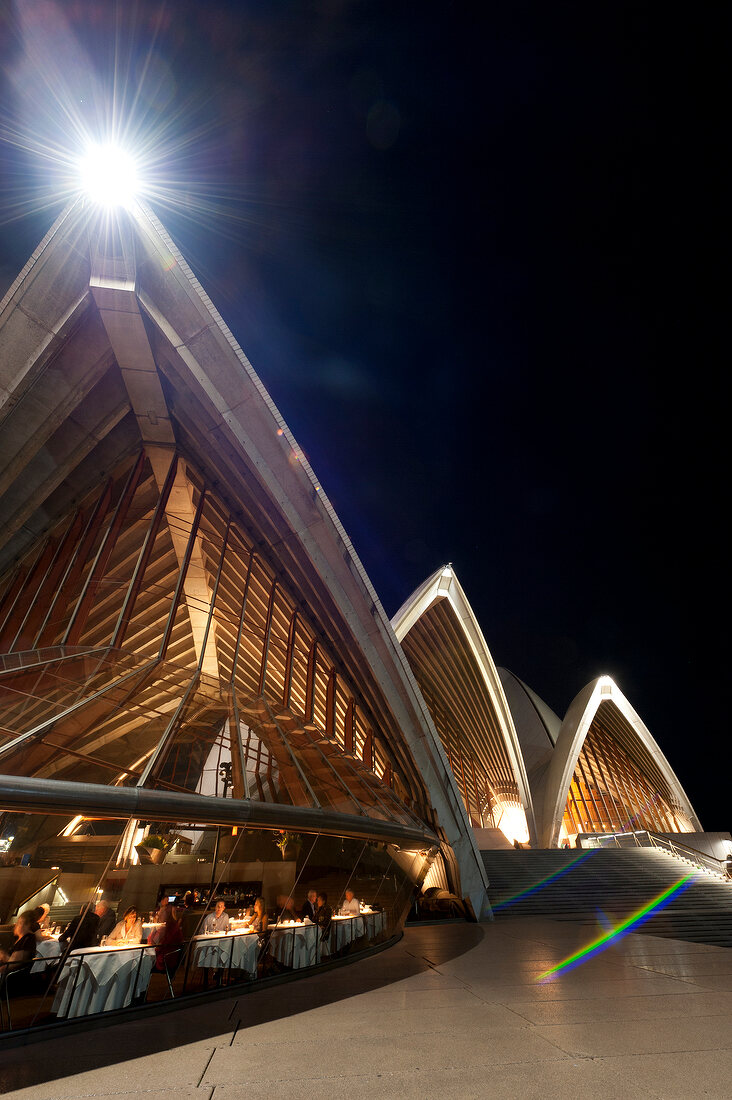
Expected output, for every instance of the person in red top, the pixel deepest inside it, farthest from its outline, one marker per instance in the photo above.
(167, 940)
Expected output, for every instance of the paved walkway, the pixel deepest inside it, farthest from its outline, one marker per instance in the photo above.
(453, 1011)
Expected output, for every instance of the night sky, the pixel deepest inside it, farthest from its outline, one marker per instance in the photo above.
(475, 259)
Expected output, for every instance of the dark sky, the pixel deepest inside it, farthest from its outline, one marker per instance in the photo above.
(475, 259)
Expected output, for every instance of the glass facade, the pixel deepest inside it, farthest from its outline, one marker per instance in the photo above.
(175, 943)
(144, 644)
(149, 649)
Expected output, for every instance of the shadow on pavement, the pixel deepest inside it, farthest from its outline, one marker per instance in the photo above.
(44, 1059)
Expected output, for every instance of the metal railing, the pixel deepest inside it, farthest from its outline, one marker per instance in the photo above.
(643, 838)
(26, 902)
(51, 988)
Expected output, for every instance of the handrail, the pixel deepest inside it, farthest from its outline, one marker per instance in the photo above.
(38, 890)
(704, 861)
(68, 965)
(707, 862)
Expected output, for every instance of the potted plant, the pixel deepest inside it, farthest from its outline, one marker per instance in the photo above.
(152, 848)
(288, 843)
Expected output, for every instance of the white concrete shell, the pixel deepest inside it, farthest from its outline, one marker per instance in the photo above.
(444, 585)
(148, 313)
(574, 730)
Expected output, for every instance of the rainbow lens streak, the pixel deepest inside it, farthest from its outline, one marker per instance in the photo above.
(542, 882)
(634, 921)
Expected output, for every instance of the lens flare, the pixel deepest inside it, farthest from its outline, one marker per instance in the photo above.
(109, 175)
(114, 126)
(512, 824)
(534, 889)
(634, 921)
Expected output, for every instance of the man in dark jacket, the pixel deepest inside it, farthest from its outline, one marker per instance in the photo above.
(81, 931)
(309, 906)
(107, 920)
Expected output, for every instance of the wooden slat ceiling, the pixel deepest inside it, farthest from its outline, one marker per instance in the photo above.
(611, 722)
(454, 690)
(110, 739)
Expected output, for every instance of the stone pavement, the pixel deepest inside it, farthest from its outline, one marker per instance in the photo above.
(450, 1011)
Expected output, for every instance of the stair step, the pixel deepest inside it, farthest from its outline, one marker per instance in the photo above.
(613, 882)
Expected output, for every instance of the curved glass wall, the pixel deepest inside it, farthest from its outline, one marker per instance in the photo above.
(147, 640)
(149, 650)
(88, 959)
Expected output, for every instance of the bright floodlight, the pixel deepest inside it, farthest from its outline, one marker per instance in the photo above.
(109, 175)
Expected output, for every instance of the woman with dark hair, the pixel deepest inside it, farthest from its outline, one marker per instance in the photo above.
(323, 915)
(128, 930)
(259, 921)
(22, 950)
(324, 919)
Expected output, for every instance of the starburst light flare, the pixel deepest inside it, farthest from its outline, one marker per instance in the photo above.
(109, 175)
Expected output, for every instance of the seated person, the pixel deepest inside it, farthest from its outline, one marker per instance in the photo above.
(309, 906)
(22, 950)
(34, 915)
(323, 915)
(351, 906)
(258, 921)
(286, 909)
(129, 929)
(107, 920)
(165, 910)
(218, 921)
(43, 918)
(167, 940)
(81, 931)
(37, 916)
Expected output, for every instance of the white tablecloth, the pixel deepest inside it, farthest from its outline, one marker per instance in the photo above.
(345, 930)
(237, 950)
(47, 949)
(374, 924)
(294, 944)
(107, 978)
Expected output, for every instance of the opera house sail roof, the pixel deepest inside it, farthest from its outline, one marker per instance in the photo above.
(519, 768)
(183, 617)
(176, 590)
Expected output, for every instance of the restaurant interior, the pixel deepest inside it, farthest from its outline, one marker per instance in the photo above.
(174, 880)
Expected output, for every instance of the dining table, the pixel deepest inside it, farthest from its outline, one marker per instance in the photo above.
(98, 979)
(294, 943)
(374, 923)
(148, 927)
(49, 950)
(233, 950)
(344, 930)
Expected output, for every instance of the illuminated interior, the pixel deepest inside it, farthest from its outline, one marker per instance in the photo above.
(616, 787)
(462, 691)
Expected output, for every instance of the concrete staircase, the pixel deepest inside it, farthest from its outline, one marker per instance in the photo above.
(609, 883)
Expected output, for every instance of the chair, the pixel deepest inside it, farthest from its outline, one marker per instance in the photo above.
(171, 962)
(324, 934)
(11, 983)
